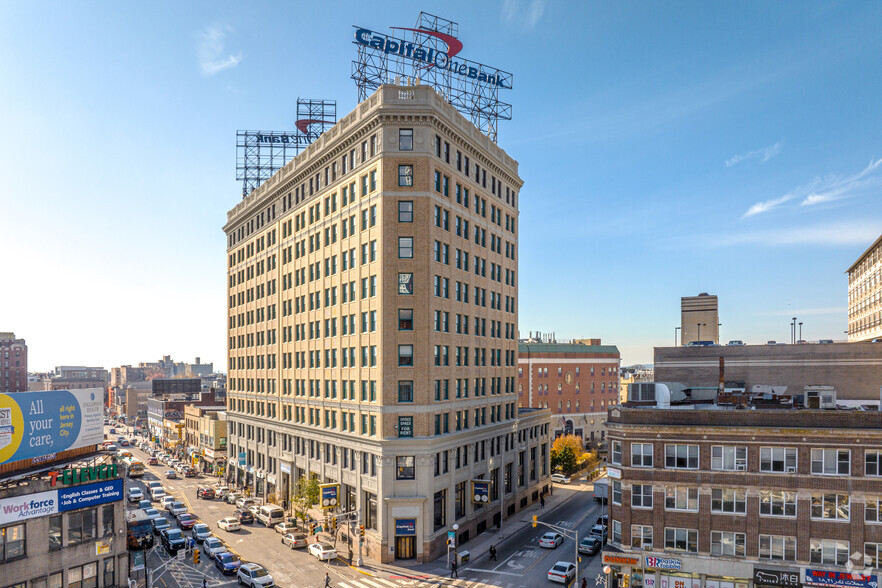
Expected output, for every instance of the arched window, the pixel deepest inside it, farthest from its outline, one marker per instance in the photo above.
(559, 405)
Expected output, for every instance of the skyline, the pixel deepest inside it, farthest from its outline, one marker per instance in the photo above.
(666, 151)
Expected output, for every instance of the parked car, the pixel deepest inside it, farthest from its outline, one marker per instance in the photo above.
(154, 484)
(285, 528)
(590, 545)
(252, 574)
(186, 520)
(135, 495)
(145, 504)
(232, 497)
(599, 531)
(227, 563)
(157, 494)
(152, 513)
(166, 501)
(560, 479)
(323, 551)
(562, 571)
(295, 540)
(229, 524)
(244, 503)
(204, 492)
(172, 540)
(244, 516)
(160, 524)
(551, 540)
(221, 491)
(176, 508)
(212, 546)
(171, 475)
(201, 532)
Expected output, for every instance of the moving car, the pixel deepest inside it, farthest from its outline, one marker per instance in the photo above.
(295, 540)
(285, 528)
(154, 484)
(112, 431)
(562, 572)
(186, 520)
(221, 491)
(229, 524)
(323, 551)
(171, 475)
(176, 508)
(167, 501)
(736, 342)
(551, 540)
(201, 532)
(227, 563)
(213, 546)
(157, 494)
(252, 574)
(145, 504)
(160, 525)
(590, 545)
(245, 516)
(205, 493)
(232, 497)
(244, 503)
(560, 479)
(135, 495)
(172, 540)
(270, 515)
(598, 531)
(152, 461)
(152, 513)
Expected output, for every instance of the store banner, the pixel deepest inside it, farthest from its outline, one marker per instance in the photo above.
(776, 577)
(40, 504)
(662, 563)
(405, 527)
(839, 579)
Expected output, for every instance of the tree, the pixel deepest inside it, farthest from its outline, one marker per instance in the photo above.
(566, 452)
(306, 493)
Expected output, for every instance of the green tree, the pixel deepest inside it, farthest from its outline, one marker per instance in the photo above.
(306, 494)
(566, 453)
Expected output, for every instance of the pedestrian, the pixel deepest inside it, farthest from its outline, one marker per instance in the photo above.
(453, 570)
(205, 583)
(493, 553)
(584, 583)
(542, 501)
(350, 556)
(327, 580)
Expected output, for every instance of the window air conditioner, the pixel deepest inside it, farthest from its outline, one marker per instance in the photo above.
(740, 467)
(791, 469)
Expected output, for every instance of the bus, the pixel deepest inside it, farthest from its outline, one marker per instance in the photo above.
(134, 467)
(139, 530)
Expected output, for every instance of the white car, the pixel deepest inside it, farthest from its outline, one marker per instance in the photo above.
(212, 546)
(560, 479)
(252, 574)
(550, 540)
(135, 495)
(562, 572)
(157, 494)
(229, 524)
(154, 484)
(285, 528)
(323, 551)
(167, 501)
(176, 508)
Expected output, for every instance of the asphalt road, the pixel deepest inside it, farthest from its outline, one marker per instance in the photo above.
(521, 562)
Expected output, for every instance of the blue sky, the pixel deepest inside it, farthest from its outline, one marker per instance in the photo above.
(667, 149)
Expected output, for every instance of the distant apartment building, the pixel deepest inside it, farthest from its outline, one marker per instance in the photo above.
(738, 491)
(13, 363)
(576, 381)
(699, 318)
(865, 295)
(206, 437)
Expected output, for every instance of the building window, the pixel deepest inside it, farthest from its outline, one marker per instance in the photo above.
(405, 391)
(777, 503)
(107, 520)
(85, 576)
(82, 526)
(831, 462)
(681, 540)
(873, 509)
(641, 495)
(641, 455)
(778, 459)
(777, 547)
(405, 247)
(831, 506)
(728, 458)
(54, 532)
(108, 572)
(440, 509)
(405, 139)
(616, 536)
(872, 551)
(405, 319)
(405, 211)
(681, 498)
(459, 499)
(405, 355)
(681, 456)
(873, 463)
(12, 542)
(617, 491)
(405, 175)
(728, 501)
(829, 552)
(616, 452)
(727, 544)
(404, 467)
(641, 537)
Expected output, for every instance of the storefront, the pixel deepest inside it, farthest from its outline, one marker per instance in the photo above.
(405, 538)
(834, 579)
(776, 578)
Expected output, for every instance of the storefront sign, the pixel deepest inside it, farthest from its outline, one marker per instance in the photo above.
(405, 527)
(138, 560)
(614, 473)
(405, 426)
(839, 579)
(618, 559)
(42, 504)
(80, 475)
(102, 547)
(679, 582)
(480, 491)
(775, 577)
(662, 563)
(34, 424)
(330, 495)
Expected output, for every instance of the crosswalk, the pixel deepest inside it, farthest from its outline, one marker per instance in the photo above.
(435, 582)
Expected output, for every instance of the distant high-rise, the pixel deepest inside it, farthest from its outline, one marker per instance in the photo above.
(13, 364)
(865, 295)
(699, 318)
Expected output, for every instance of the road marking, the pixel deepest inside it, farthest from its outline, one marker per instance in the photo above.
(565, 524)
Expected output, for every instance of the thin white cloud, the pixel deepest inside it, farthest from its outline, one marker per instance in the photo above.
(527, 14)
(835, 234)
(211, 50)
(832, 188)
(800, 312)
(764, 154)
(766, 206)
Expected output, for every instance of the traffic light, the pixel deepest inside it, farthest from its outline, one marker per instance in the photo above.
(535, 521)
(361, 530)
(333, 524)
(195, 556)
(312, 528)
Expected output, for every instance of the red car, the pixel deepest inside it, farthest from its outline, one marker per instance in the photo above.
(186, 520)
(152, 461)
(205, 493)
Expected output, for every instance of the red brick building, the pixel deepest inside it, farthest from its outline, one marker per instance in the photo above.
(576, 381)
(13, 364)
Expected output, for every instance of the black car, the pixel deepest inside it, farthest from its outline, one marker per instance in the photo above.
(245, 516)
(172, 540)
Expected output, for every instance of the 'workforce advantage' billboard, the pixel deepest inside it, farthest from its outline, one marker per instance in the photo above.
(52, 502)
(33, 424)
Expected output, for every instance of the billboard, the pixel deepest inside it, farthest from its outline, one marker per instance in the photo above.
(330, 495)
(34, 424)
(839, 579)
(480, 491)
(42, 504)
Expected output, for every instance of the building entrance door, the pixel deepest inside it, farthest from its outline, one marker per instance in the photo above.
(405, 547)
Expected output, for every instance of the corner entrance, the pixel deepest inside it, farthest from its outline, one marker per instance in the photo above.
(405, 547)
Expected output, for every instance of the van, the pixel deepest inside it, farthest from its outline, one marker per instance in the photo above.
(270, 515)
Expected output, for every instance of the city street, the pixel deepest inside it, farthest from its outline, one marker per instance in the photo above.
(521, 563)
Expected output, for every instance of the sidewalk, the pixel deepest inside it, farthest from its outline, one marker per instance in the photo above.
(479, 546)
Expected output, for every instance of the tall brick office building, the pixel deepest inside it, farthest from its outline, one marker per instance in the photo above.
(13, 363)
(714, 496)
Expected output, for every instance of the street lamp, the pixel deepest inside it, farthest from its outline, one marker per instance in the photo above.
(675, 335)
(699, 325)
(451, 541)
